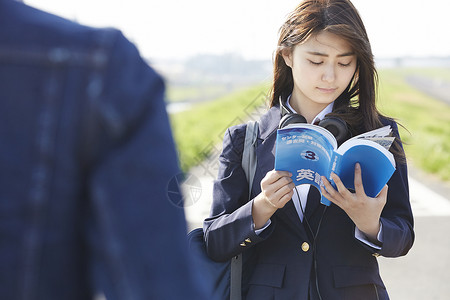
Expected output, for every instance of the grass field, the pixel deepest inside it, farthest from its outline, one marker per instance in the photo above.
(198, 130)
(194, 93)
(427, 120)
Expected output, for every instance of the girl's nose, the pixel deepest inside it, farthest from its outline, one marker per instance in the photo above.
(329, 74)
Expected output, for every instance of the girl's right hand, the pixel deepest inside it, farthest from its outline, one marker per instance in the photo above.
(277, 188)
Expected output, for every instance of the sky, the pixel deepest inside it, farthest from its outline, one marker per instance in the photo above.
(177, 29)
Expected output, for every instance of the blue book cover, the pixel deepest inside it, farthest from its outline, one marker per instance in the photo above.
(309, 152)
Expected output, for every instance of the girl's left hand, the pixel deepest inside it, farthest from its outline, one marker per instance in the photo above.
(364, 211)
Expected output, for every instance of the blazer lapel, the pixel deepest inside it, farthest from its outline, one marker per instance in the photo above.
(288, 215)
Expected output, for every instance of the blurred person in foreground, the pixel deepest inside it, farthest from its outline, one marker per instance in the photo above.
(86, 157)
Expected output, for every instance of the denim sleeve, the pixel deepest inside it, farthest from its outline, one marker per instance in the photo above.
(137, 236)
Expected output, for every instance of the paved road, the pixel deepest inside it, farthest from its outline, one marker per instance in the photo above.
(436, 88)
(423, 274)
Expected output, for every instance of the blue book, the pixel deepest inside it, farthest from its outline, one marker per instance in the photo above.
(310, 151)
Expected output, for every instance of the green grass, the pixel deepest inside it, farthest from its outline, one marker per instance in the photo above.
(427, 120)
(199, 130)
(183, 93)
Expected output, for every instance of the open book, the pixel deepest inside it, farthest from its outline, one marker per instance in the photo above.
(310, 151)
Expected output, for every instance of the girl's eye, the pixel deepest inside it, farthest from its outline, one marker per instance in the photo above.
(315, 63)
(345, 65)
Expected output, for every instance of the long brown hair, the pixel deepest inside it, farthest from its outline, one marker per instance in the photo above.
(356, 105)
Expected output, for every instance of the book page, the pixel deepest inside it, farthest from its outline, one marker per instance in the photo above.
(376, 133)
(381, 136)
(385, 142)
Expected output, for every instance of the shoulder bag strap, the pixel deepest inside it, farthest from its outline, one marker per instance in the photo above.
(249, 166)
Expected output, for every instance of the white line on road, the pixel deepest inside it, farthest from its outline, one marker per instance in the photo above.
(426, 202)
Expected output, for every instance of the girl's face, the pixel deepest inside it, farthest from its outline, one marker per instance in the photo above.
(322, 68)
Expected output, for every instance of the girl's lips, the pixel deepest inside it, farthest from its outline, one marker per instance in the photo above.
(327, 90)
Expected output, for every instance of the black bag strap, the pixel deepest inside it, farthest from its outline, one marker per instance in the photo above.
(249, 154)
(236, 278)
(249, 165)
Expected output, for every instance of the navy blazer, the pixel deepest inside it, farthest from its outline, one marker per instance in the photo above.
(284, 264)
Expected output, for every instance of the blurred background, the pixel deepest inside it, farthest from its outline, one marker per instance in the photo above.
(174, 29)
(216, 58)
(208, 49)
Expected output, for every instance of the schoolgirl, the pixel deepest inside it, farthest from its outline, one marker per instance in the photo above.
(295, 247)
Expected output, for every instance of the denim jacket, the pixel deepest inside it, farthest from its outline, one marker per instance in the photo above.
(86, 155)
